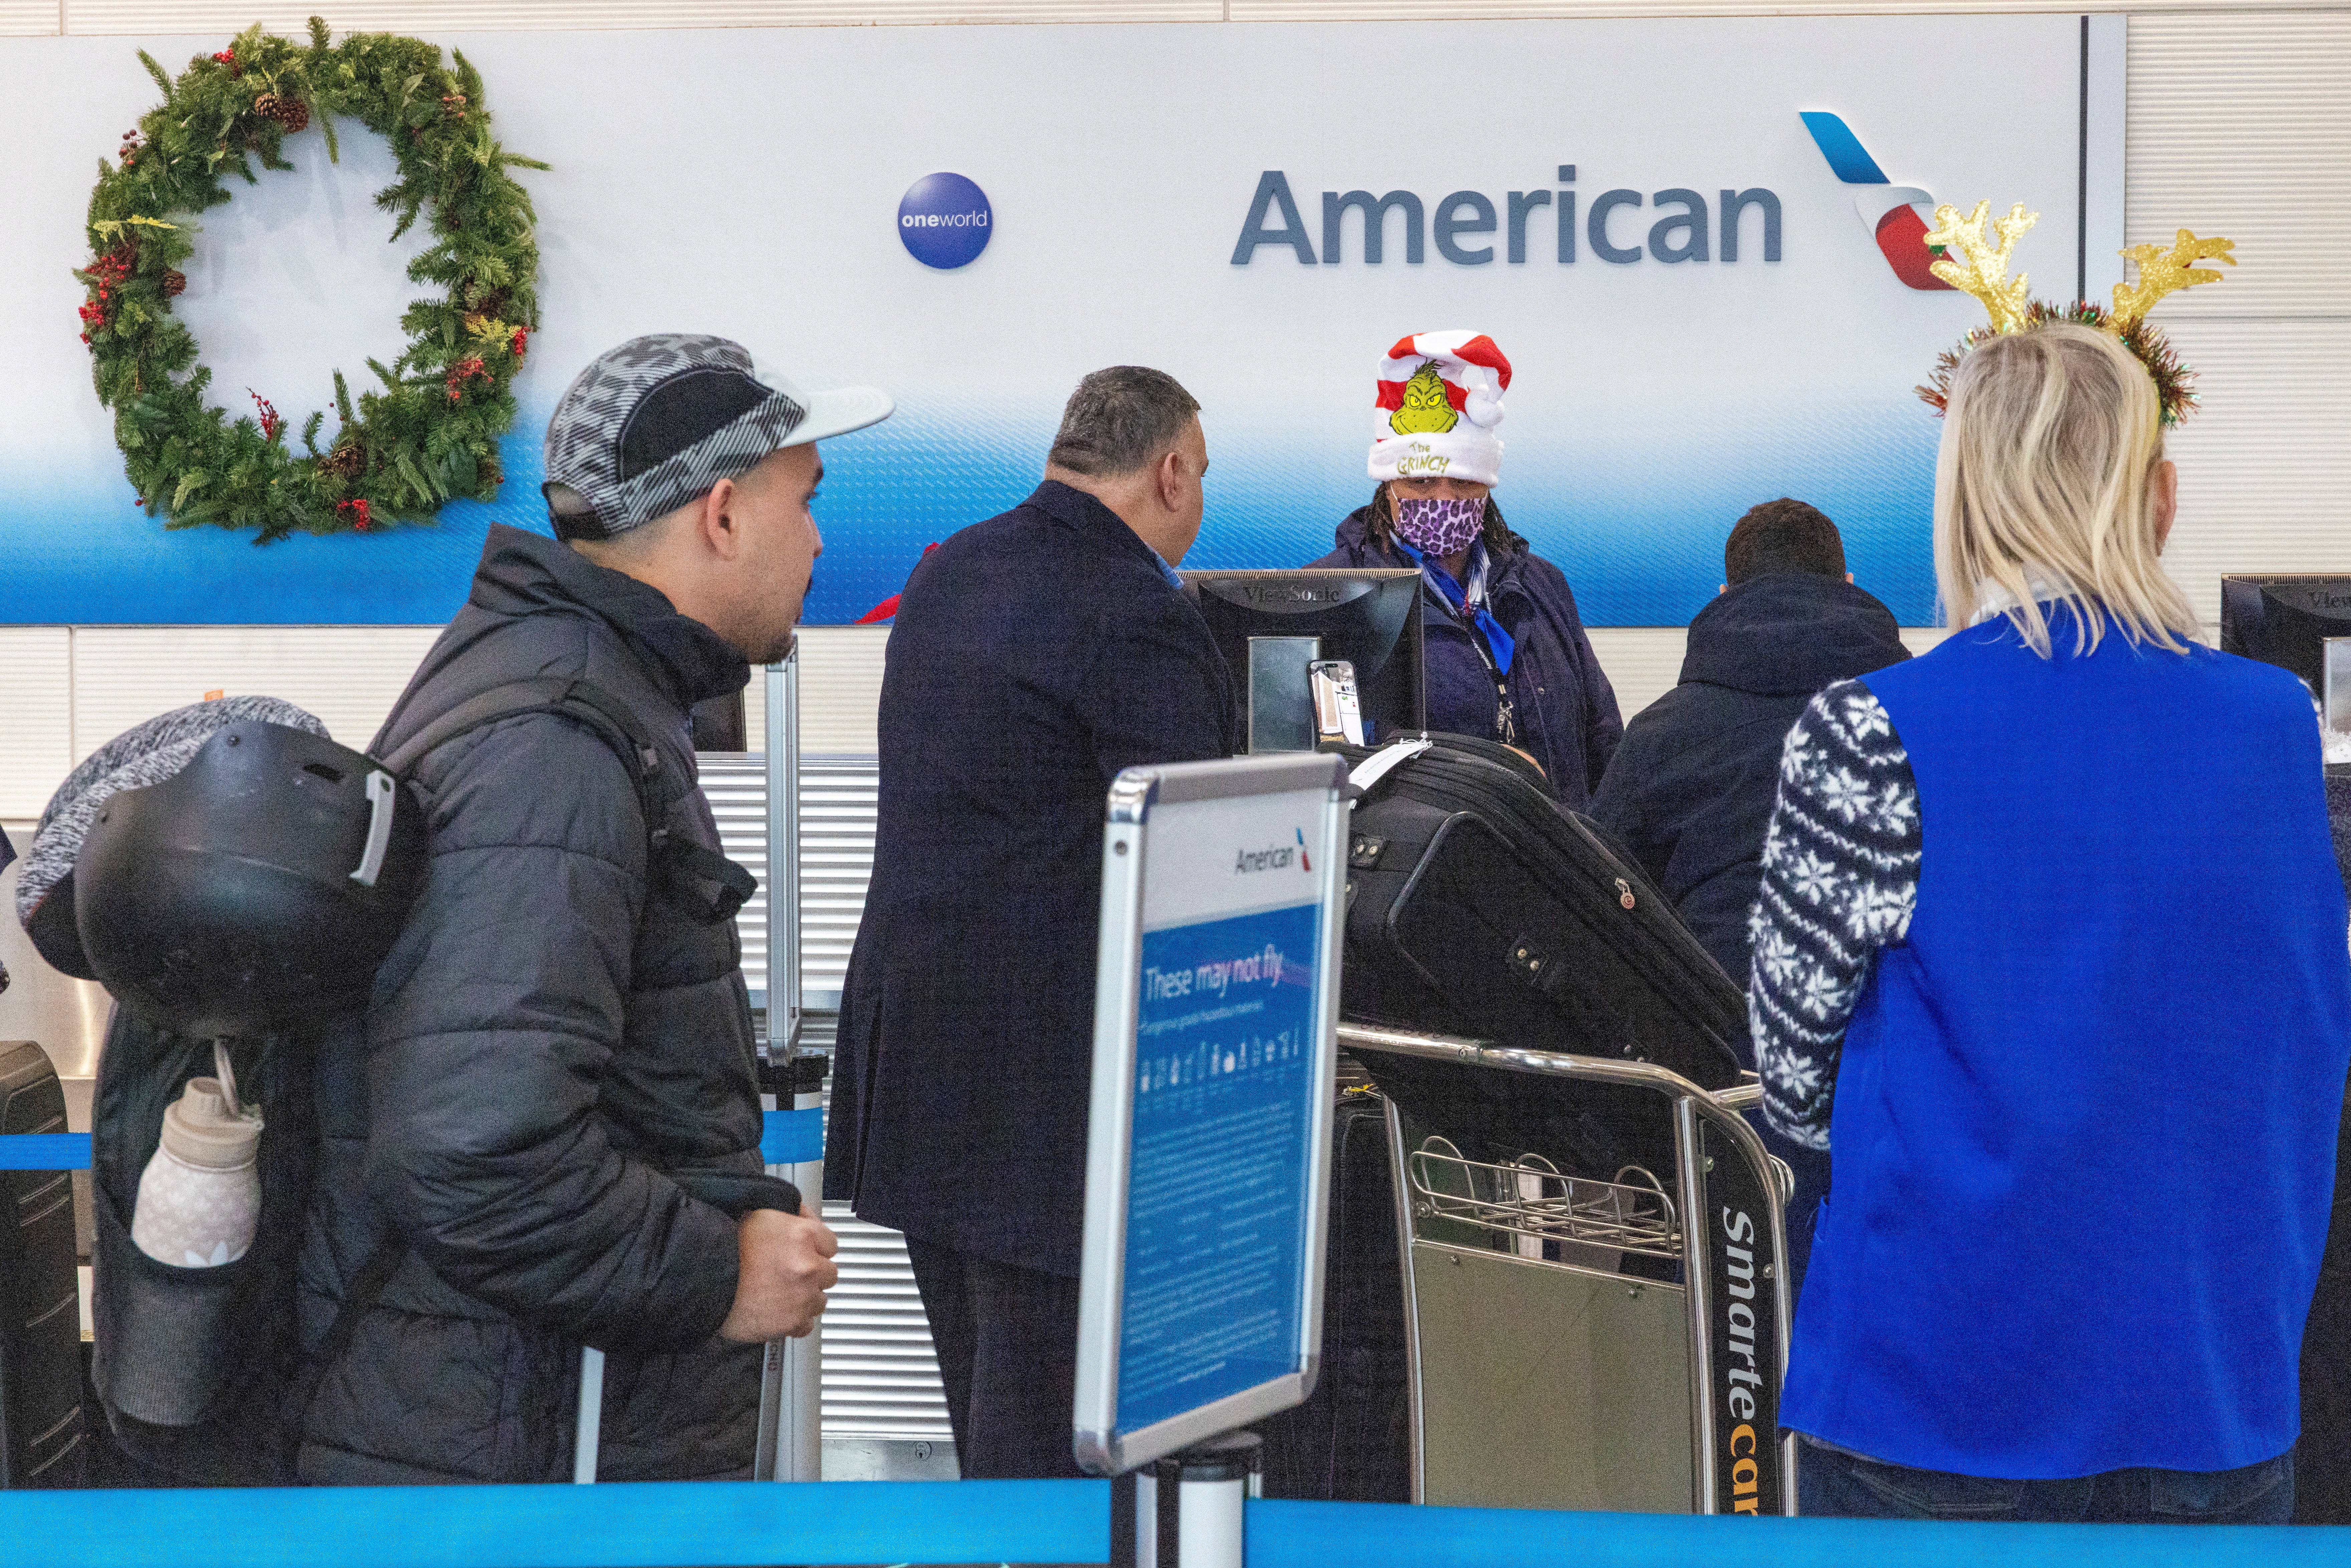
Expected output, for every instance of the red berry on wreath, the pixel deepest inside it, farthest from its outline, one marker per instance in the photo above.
(520, 344)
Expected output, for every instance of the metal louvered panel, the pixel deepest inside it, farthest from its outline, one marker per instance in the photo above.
(881, 1377)
(839, 800)
(736, 784)
(837, 809)
(881, 1374)
(2240, 124)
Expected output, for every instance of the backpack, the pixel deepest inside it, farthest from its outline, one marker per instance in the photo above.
(201, 1369)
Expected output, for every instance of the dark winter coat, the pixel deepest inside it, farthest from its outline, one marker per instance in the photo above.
(556, 1063)
(1567, 717)
(1035, 656)
(1690, 789)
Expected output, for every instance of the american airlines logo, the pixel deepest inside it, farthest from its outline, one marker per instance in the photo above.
(1896, 216)
(1274, 857)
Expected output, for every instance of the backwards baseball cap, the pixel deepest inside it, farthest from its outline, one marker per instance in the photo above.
(655, 423)
(1438, 398)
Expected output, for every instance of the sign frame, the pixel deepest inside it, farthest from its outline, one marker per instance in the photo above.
(1136, 796)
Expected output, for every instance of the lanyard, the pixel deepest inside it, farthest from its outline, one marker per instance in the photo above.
(1494, 646)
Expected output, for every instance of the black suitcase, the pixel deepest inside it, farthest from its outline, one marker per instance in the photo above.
(40, 1321)
(1476, 906)
(1351, 1441)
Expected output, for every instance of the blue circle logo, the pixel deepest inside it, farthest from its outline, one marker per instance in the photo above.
(945, 220)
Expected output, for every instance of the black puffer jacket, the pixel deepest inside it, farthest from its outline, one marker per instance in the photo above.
(1689, 790)
(552, 1057)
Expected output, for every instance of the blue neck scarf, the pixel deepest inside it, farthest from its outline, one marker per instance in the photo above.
(1470, 602)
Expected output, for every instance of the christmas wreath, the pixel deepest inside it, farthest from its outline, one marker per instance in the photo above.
(430, 432)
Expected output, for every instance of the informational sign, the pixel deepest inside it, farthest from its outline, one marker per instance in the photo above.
(1699, 242)
(1215, 1027)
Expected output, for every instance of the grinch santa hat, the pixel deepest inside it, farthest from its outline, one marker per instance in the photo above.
(1440, 397)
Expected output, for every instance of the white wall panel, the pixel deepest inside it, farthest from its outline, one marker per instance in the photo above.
(1919, 639)
(840, 688)
(2241, 125)
(35, 17)
(1641, 662)
(2265, 465)
(441, 17)
(35, 716)
(348, 675)
(1403, 10)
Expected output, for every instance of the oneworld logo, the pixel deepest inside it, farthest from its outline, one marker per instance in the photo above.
(1470, 228)
(944, 220)
(1896, 216)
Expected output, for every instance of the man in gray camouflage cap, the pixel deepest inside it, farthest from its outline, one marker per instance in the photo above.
(553, 1120)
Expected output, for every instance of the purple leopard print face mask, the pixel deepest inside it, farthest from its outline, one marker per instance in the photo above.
(1439, 527)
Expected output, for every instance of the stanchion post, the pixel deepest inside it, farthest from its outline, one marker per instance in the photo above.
(784, 855)
(1187, 1510)
(792, 1389)
(588, 1431)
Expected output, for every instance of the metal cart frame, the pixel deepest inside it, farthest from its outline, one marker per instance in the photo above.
(1469, 1212)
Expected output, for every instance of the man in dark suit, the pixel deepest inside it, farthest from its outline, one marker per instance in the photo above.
(1035, 656)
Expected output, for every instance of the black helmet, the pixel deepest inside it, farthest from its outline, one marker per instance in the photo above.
(256, 888)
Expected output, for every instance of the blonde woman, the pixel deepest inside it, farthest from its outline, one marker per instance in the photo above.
(2049, 955)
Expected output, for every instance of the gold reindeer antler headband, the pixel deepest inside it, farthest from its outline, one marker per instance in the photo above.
(1981, 270)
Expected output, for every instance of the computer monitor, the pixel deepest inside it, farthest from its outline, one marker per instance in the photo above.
(2285, 621)
(1370, 617)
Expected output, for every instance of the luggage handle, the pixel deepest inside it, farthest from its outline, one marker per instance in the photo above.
(382, 806)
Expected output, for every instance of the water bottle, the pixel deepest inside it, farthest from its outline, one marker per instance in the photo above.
(200, 1197)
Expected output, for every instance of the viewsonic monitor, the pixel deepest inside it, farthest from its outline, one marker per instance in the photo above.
(2285, 621)
(1370, 617)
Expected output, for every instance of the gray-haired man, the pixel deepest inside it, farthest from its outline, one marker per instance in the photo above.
(1035, 656)
(548, 1135)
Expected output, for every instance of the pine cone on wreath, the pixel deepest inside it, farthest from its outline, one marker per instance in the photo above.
(344, 462)
(290, 112)
(175, 283)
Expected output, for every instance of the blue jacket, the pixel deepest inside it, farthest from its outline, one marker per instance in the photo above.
(2085, 1115)
(1566, 709)
(1034, 655)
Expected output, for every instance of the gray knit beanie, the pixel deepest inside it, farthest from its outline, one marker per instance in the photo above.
(143, 755)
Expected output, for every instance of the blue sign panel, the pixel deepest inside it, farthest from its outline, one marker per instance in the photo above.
(1216, 1201)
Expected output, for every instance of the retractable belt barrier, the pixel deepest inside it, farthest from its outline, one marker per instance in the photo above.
(661, 1524)
(786, 1138)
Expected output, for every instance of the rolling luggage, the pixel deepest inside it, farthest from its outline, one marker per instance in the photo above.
(1478, 907)
(40, 1323)
(1351, 1441)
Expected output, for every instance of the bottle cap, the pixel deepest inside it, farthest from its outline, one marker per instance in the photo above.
(199, 1130)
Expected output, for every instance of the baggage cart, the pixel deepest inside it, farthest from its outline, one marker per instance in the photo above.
(1579, 1342)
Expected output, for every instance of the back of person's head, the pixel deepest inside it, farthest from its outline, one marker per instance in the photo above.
(1783, 536)
(2044, 485)
(1119, 420)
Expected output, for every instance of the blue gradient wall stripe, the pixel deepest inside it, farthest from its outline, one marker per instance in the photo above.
(1636, 524)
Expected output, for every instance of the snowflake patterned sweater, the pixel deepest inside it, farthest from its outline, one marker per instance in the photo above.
(1840, 881)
